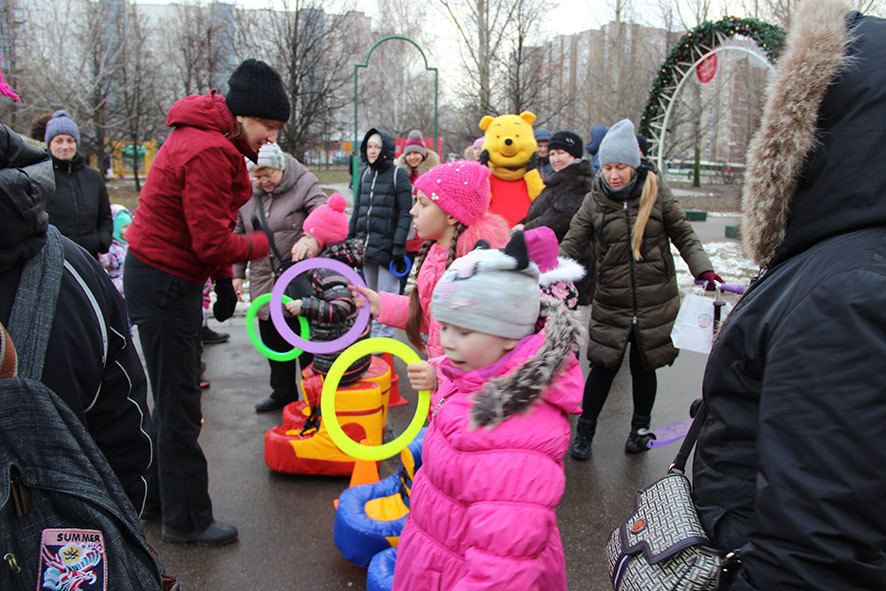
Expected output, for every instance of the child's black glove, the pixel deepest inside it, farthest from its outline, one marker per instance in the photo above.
(226, 300)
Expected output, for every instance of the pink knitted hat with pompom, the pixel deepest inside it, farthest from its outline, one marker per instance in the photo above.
(328, 223)
(460, 188)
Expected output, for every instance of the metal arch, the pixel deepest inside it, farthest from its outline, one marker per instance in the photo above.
(671, 99)
(355, 160)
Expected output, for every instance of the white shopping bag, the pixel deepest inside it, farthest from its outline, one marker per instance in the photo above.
(694, 327)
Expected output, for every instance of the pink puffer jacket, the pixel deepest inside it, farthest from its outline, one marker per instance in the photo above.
(394, 309)
(484, 501)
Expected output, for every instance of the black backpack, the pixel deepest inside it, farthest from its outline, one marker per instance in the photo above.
(65, 520)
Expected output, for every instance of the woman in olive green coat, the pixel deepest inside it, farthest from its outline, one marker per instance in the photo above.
(634, 217)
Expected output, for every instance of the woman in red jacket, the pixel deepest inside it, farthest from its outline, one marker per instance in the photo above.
(182, 234)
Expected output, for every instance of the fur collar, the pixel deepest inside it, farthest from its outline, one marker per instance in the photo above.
(816, 45)
(517, 391)
(427, 164)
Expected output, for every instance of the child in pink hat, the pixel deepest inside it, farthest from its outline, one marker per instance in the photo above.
(450, 212)
(330, 310)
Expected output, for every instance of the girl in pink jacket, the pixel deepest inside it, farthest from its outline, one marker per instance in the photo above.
(483, 504)
(450, 212)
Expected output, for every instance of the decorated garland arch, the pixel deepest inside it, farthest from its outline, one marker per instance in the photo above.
(693, 48)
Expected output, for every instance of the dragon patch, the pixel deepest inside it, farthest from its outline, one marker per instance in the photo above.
(72, 560)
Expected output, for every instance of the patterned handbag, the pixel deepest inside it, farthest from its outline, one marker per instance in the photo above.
(662, 546)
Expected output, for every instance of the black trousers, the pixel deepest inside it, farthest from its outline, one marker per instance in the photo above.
(167, 311)
(599, 383)
(284, 374)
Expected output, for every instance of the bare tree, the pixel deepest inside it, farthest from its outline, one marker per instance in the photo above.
(527, 76)
(314, 51)
(199, 46)
(780, 11)
(484, 27)
(142, 116)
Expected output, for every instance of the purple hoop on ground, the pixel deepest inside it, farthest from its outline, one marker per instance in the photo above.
(276, 306)
(393, 269)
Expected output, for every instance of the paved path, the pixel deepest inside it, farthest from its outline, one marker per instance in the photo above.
(286, 522)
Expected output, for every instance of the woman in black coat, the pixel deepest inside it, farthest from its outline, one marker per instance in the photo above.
(789, 468)
(80, 208)
(563, 193)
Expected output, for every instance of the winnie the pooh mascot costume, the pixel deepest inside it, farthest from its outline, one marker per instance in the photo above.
(509, 152)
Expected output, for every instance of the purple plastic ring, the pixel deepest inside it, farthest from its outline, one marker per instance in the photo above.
(276, 306)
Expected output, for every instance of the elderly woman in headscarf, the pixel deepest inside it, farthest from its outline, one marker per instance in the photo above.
(284, 193)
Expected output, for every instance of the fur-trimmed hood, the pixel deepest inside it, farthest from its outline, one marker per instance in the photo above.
(430, 161)
(814, 170)
(536, 369)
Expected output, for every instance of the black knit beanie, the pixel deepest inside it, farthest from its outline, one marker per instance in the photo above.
(255, 89)
(566, 141)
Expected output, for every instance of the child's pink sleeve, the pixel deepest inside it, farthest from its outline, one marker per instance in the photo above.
(394, 309)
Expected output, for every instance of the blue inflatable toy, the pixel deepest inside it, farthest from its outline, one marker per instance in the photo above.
(381, 571)
(370, 517)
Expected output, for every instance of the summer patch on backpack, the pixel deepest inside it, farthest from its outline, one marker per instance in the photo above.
(72, 560)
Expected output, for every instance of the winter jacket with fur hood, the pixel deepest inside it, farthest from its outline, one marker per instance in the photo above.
(483, 505)
(184, 223)
(394, 309)
(633, 295)
(384, 197)
(430, 161)
(556, 206)
(286, 208)
(80, 208)
(789, 465)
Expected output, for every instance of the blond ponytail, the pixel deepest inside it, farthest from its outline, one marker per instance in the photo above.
(647, 200)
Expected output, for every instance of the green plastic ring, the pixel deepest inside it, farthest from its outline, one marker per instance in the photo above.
(256, 339)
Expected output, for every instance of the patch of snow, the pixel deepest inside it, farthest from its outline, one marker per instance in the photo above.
(728, 260)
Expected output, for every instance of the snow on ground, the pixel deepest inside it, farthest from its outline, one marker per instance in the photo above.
(728, 260)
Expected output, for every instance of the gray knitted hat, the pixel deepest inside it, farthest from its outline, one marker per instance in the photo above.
(620, 145)
(491, 291)
(61, 123)
(542, 135)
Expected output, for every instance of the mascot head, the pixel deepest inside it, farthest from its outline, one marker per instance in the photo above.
(510, 143)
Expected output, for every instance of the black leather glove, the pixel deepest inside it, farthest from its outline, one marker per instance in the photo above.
(533, 162)
(226, 300)
(484, 157)
(398, 252)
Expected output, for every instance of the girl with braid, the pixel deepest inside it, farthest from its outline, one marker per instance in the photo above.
(450, 211)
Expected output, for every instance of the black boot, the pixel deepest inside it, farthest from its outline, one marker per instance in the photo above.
(640, 436)
(584, 434)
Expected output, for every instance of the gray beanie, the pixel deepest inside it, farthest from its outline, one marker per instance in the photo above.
(620, 145)
(491, 291)
(61, 123)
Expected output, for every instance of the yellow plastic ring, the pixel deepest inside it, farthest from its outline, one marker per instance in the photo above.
(330, 385)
